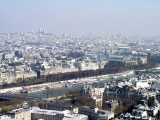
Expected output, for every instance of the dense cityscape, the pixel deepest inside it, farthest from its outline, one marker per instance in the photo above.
(79, 60)
(112, 77)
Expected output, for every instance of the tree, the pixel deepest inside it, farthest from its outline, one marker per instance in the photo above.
(118, 109)
(47, 91)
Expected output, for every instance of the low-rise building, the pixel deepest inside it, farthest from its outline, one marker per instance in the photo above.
(5, 117)
(111, 105)
(52, 105)
(20, 114)
(90, 91)
(96, 114)
(56, 115)
(36, 113)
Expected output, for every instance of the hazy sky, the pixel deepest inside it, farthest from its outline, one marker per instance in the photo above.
(100, 17)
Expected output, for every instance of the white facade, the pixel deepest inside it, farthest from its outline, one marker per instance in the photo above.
(141, 84)
(92, 91)
(56, 115)
(36, 113)
(4, 117)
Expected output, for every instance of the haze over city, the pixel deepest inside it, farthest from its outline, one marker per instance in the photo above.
(77, 17)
